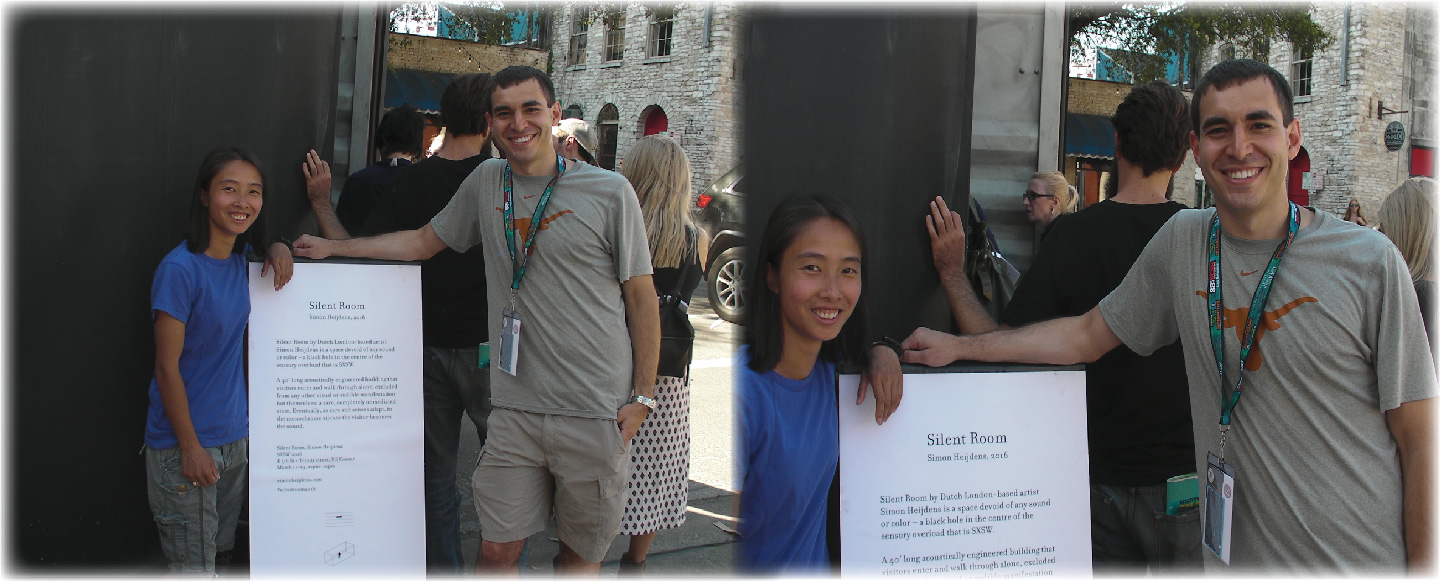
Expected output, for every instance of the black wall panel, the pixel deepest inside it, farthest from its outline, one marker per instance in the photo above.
(873, 109)
(110, 114)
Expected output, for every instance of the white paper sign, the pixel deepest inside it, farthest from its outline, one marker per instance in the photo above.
(975, 475)
(336, 425)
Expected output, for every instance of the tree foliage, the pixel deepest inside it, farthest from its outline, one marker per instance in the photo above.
(1143, 30)
(484, 22)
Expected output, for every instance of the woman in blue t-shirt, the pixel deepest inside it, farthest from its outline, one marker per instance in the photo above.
(804, 296)
(197, 427)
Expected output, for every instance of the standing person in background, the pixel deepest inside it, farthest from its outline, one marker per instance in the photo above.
(1352, 213)
(575, 140)
(453, 301)
(1046, 197)
(659, 488)
(398, 138)
(197, 430)
(1407, 217)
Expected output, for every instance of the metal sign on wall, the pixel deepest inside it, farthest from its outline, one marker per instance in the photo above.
(1394, 135)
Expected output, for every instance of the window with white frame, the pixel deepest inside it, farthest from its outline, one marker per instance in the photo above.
(615, 35)
(1300, 69)
(662, 31)
(579, 36)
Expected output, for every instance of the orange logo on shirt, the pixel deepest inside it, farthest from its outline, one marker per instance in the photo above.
(522, 225)
(1269, 321)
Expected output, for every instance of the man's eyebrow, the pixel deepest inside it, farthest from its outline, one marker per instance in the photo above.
(1260, 114)
(531, 103)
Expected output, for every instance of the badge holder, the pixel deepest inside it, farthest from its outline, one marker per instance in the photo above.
(509, 342)
(1219, 506)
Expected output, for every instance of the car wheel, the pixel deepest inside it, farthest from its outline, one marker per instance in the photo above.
(726, 286)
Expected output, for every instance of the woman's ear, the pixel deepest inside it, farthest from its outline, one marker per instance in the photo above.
(770, 279)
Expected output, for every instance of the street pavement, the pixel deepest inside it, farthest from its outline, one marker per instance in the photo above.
(698, 547)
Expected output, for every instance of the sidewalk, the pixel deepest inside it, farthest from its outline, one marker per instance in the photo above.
(697, 547)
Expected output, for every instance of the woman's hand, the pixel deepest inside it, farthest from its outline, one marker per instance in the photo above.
(197, 466)
(278, 258)
(885, 379)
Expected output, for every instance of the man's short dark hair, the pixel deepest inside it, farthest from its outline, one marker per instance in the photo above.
(514, 75)
(464, 104)
(1153, 127)
(402, 130)
(1236, 71)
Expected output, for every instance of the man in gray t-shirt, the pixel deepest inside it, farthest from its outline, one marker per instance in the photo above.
(577, 310)
(1331, 439)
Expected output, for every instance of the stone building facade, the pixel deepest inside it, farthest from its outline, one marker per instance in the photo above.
(632, 69)
(1386, 57)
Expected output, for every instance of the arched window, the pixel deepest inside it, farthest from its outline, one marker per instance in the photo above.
(608, 125)
(654, 120)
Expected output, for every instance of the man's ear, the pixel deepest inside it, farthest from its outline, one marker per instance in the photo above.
(1293, 137)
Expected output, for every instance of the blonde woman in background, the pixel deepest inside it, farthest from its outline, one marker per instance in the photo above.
(1407, 217)
(659, 487)
(1352, 213)
(1046, 197)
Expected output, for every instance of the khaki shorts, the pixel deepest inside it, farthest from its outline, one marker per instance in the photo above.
(532, 463)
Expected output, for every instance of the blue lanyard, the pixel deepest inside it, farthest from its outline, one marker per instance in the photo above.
(518, 266)
(1252, 322)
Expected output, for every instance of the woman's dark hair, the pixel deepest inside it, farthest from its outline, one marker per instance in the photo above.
(763, 330)
(197, 236)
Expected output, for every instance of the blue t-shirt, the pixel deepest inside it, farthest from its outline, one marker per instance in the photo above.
(791, 449)
(212, 298)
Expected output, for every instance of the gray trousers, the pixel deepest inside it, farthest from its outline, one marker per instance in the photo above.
(196, 522)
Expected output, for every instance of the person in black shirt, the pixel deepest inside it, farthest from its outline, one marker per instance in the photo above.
(398, 138)
(452, 290)
(1138, 407)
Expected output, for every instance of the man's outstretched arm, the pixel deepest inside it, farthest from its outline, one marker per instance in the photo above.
(404, 245)
(1064, 341)
(947, 249)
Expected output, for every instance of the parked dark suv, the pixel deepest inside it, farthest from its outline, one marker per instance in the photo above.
(720, 211)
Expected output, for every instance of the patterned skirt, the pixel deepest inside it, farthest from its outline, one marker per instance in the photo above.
(659, 487)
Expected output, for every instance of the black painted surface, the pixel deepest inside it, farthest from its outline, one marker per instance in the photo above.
(873, 109)
(110, 115)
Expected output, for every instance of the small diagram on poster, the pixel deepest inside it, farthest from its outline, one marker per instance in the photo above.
(339, 553)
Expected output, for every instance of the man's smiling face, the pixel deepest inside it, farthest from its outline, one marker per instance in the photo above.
(520, 121)
(1244, 147)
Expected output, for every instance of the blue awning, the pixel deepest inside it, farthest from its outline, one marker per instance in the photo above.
(1089, 136)
(421, 89)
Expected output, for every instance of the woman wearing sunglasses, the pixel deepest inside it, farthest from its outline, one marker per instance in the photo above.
(1047, 196)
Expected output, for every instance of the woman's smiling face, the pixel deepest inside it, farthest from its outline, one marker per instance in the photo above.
(817, 283)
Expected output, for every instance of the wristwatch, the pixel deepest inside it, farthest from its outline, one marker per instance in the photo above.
(648, 402)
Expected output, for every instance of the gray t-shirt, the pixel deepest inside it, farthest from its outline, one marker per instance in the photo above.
(1318, 480)
(574, 345)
